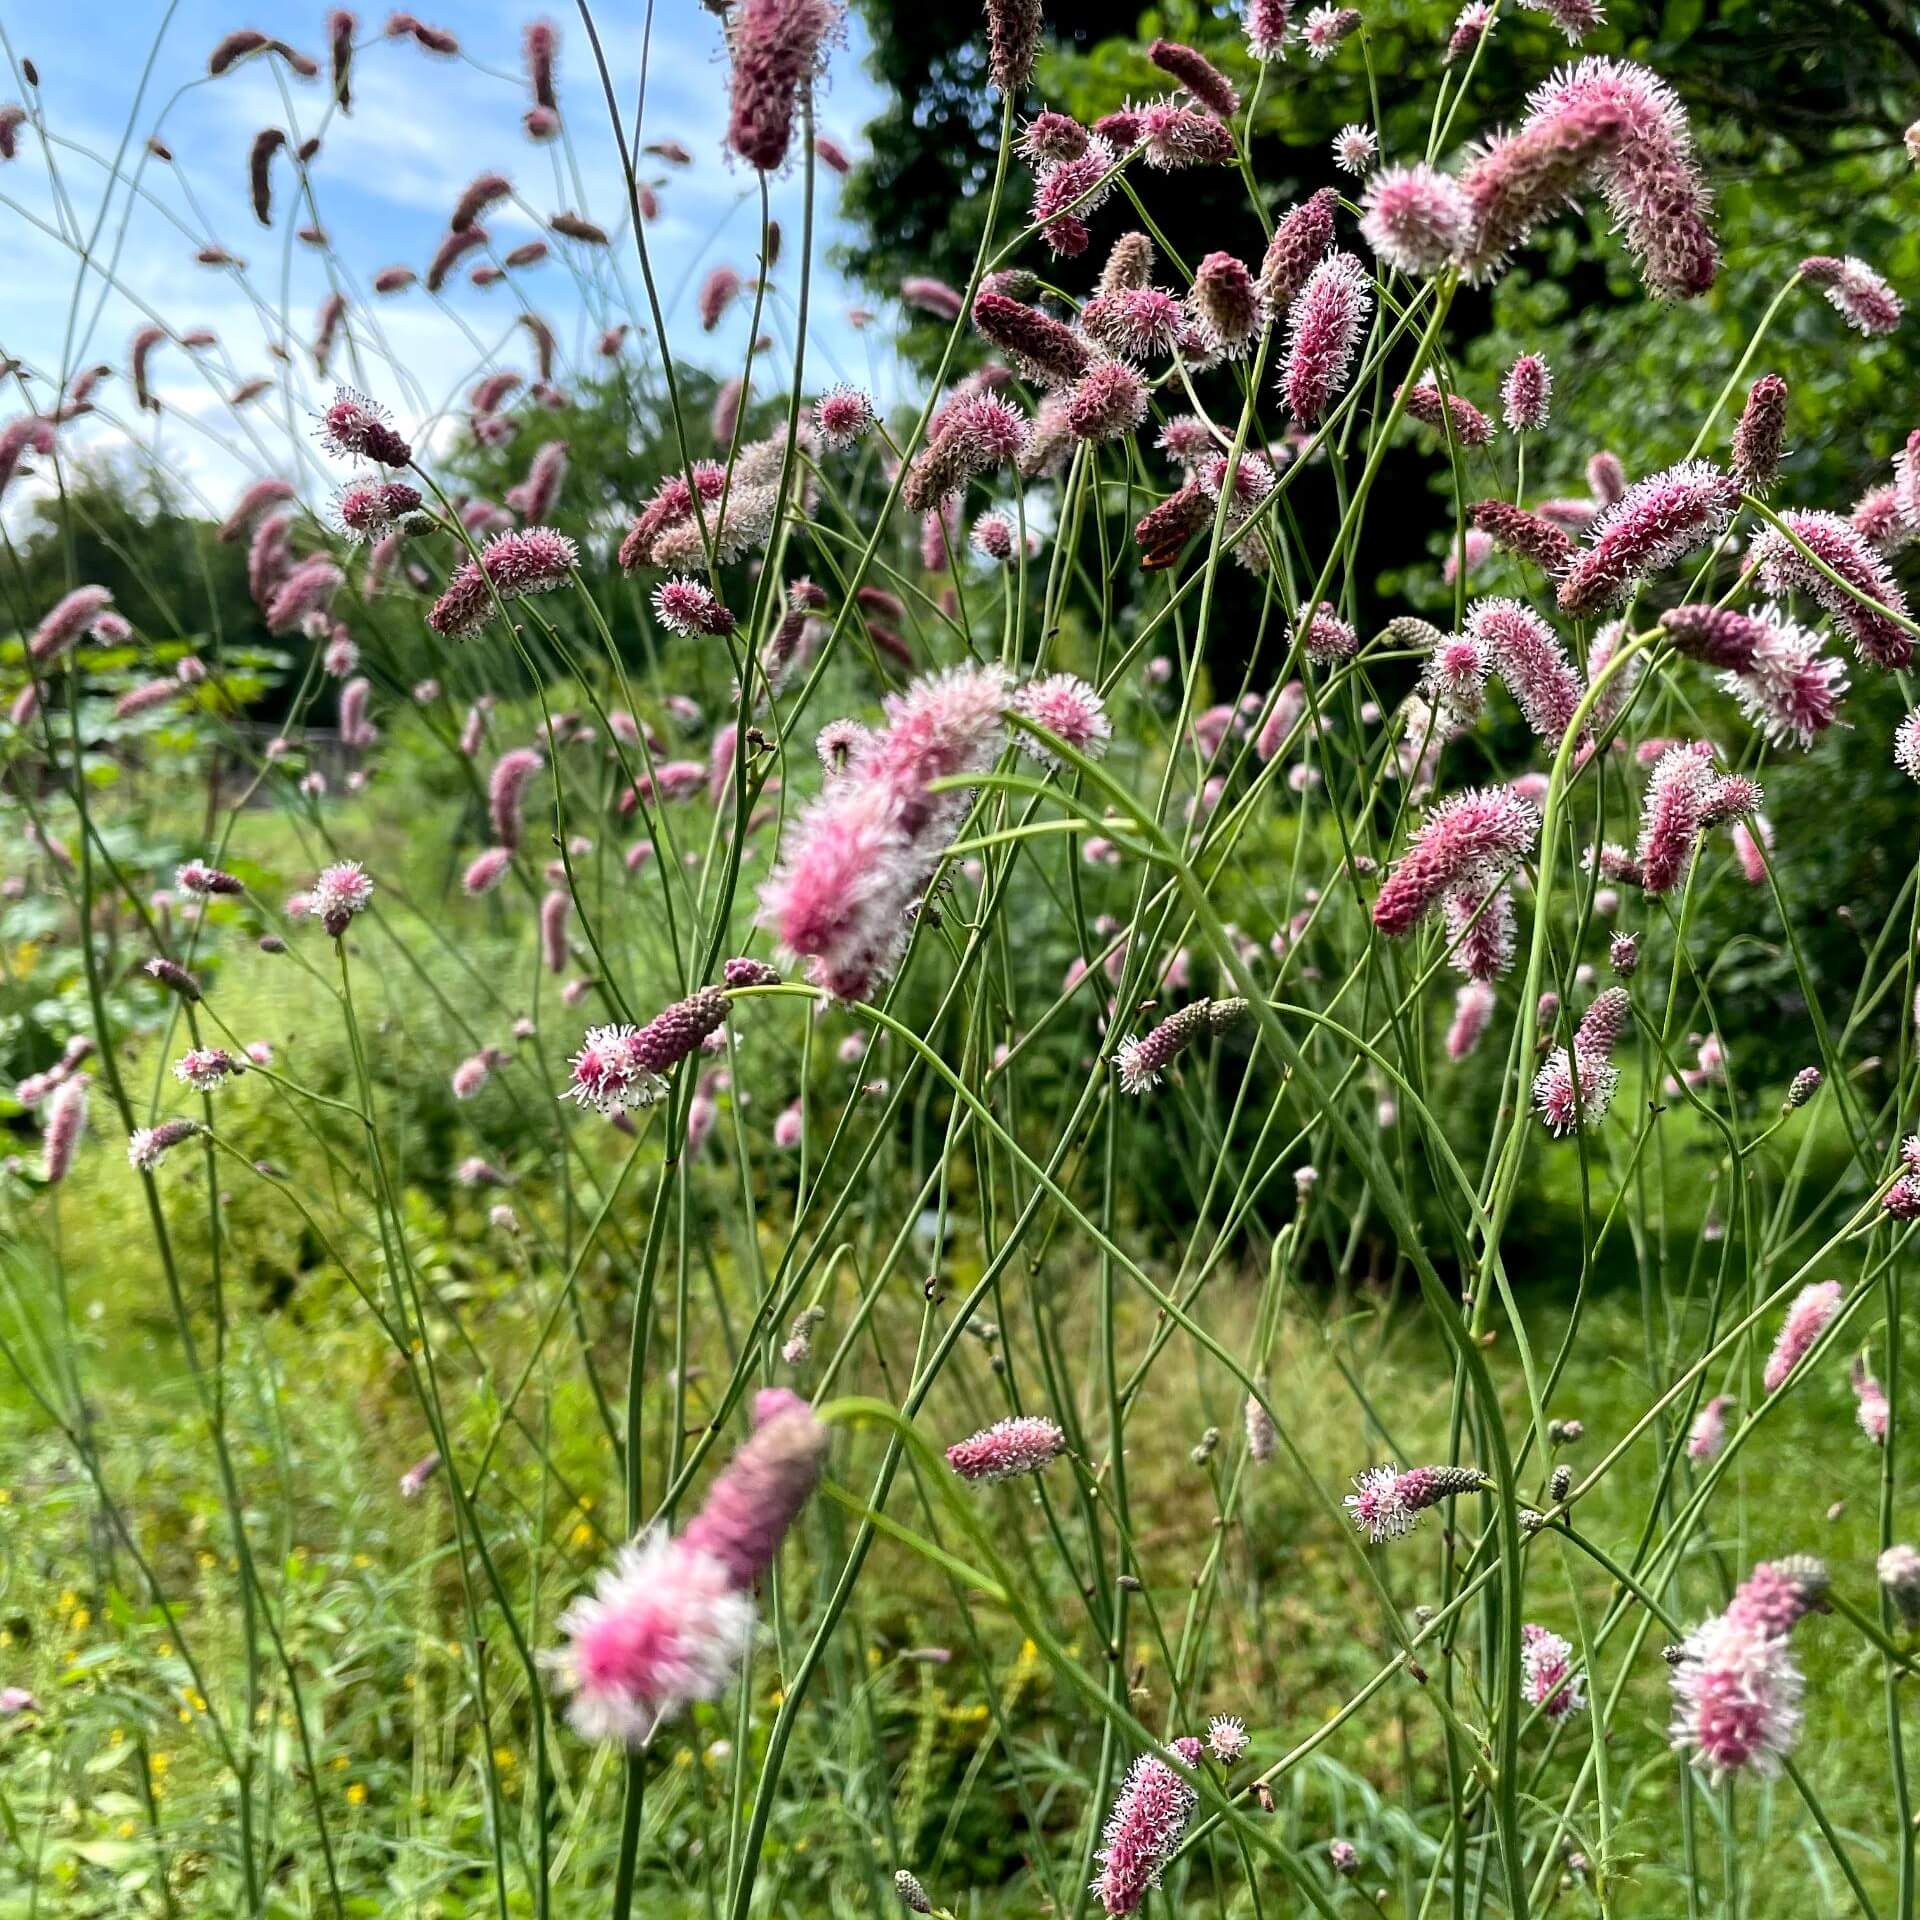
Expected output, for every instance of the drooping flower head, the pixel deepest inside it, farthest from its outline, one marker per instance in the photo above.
(1736, 1699)
(1648, 528)
(1878, 638)
(776, 47)
(1143, 1058)
(1387, 1501)
(1547, 1678)
(1466, 838)
(1859, 295)
(1527, 655)
(523, 561)
(354, 427)
(1068, 707)
(1414, 218)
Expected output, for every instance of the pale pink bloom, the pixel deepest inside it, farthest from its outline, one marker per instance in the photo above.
(686, 606)
(931, 296)
(197, 877)
(1650, 526)
(1481, 933)
(354, 427)
(1144, 1829)
(1266, 28)
(1387, 1501)
(506, 788)
(1473, 1007)
(1354, 151)
(205, 1068)
(1018, 1445)
(1859, 295)
(761, 1490)
(1069, 708)
(1751, 846)
(1227, 1738)
(1324, 325)
(342, 891)
(1709, 1432)
(717, 293)
(471, 1075)
(485, 871)
(608, 1077)
(554, 912)
(1326, 27)
(66, 1121)
(1789, 689)
(63, 626)
(148, 1146)
(1736, 1699)
(1288, 705)
(511, 565)
(1684, 797)
(844, 415)
(1107, 402)
(787, 1128)
(1414, 218)
(1810, 1315)
(1548, 1680)
(1575, 18)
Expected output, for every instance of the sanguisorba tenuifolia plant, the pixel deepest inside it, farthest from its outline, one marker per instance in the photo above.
(913, 1036)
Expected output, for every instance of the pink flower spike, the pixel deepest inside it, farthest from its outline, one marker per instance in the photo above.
(1807, 1319)
(341, 892)
(1324, 325)
(1709, 1432)
(1387, 1502)
(1873, 1409)
(761, 1490)
(1736, 1699)
(1023, 1444)
(1068, 708)
(1143, 1831)
(1525, 393)
(1414, 218)
(1652, 525)
(1855, 292)
(686, 606)
(1468, 837)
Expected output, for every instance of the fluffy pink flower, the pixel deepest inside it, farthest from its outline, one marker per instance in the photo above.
(1807, 1319)
(1789, 689)
(1709, 1431)
(1300, 242)
(761, 1490)
(776, 46)
(843, 416)
(1387, 1502)
(1736, 1699)
(663, 1626)
(1480, 931)
(1778, 1594)
(1324, 325)
(1473, 1007)
(929, 295)
(1142, 1058)
(1107, 402)
(1326, 27)
(66, 1121)
(555, 910)
(148, 1146)
(1647, 529)
(1525, 393)
(1468, 838)
(342, 891)
(686, 606)
(354, 427)
(1068, 707)
(1548, 1680)
(1414, 218)
(1193, 71)
(506, 788)
(1684, 797)
(484, 872)
(1872, 1407)
(1527, 655)
(1022, 1444)
(1575, 18)
(1520, 179)
(66, 621)
(1855, 292)
(1575, 1086)
(1648, 174)
(1266, 28)
(511, 565)
(717, 293)
(1877, 638)
(1524, 533)
(1144, 1829)
(1176, 137)
(205, 1068)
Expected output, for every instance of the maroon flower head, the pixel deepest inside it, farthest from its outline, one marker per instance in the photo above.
(1197, 75)
(1760, 438)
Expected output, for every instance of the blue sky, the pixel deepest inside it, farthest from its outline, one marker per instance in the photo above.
(385, 179)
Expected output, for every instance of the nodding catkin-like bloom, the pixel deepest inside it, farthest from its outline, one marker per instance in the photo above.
(1833, 541)
(1527, 655)
(776, 46)
(1760, 439)
(1226, 302)
(1548, 1680)
(1807, 1319)
(1324, 325)
(1709, 1431)
(555, 910)
(1387, 1502)
(1522, 178)
(1013, 39)
(761, 1490)
(1473, 1007)
(1067, 707)
(1526, 534)
(1197, 75)
(1525, 393)
(1449, 412)
(1176, 137)
(354, 427)
(204, 1068)
(1414, 218)
(676, 1031)
(1266, 27)
(910, 1893)
(173, 976)
(1024, 1443)
(1326, 27)
(197, 877)
(1789, 689)
(1038, 343)
(66, 1121)
(1736, 1699)
(1684, 797)
(1855, 292)
(1480, 931)
(1648, 528)
(1648, 174)
(1871, 1406)
(1144, 1829)
(1466, 839)
(148, 1146)
(1300, 242)
(1262, 1440)
(339, 893)
(1575, 1086)
(717, 293)
(511, 565)
(506, 788)
(68, 619)
(1142, 1058)
(608, 1077)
